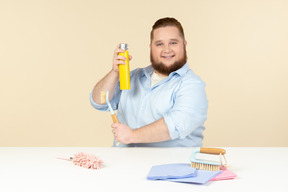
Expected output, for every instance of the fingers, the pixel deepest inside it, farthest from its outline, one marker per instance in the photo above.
(117, 51)
(114, 125)
(118, 59)
(114, 128)
(115, 133)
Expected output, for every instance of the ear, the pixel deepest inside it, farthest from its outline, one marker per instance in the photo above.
(185, 43)
(150, 45)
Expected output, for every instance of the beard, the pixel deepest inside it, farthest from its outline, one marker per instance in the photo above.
(166, 70)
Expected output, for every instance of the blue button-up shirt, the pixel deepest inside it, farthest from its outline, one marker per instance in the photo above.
(180, 99)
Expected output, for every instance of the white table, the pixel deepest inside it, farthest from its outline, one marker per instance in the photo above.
(125, 169)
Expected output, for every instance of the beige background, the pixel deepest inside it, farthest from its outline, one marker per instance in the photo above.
(53, 52)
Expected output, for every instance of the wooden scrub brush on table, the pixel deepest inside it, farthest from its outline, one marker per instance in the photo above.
(209, 165)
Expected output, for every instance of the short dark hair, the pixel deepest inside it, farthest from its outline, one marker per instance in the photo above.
(165, 22)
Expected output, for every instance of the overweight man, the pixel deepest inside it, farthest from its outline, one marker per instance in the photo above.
(167, 104)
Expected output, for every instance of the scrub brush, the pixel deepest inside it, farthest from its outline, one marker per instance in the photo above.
(208, 165)
(105, 97)
(84, 160)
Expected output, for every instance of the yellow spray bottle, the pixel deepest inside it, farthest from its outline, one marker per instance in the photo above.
(124, 71)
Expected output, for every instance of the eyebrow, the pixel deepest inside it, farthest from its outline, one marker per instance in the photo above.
(159, 41)
(174, 40)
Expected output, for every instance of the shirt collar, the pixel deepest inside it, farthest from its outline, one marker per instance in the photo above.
(147, 71)
(181, 71)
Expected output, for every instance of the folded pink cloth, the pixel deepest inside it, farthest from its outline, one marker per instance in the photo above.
(225, 175)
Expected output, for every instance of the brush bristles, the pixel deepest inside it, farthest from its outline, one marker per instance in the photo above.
(103, 97)
(207, 167)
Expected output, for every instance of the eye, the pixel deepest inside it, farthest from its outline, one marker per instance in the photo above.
(173, 43)
(159, 44)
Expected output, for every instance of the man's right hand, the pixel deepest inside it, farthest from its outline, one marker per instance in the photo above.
(118, 59)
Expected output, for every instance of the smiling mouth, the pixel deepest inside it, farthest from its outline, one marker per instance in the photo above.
(168, 57)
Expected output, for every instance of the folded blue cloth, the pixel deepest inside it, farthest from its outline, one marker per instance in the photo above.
(171, 171)
(181, 172)
(202, 177)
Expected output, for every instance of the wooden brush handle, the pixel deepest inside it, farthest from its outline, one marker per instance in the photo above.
(215, 151)
(114, 118)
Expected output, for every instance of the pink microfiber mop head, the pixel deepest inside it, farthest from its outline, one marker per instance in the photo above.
(85, 160)
(88, 161)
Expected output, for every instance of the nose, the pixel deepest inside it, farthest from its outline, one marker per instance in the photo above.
(166, 49)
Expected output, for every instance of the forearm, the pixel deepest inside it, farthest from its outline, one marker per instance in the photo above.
(108, 83)
(154, 132)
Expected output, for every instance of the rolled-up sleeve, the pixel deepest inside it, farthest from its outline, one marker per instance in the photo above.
(114, 101)
(189, 111)
(97, 106)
